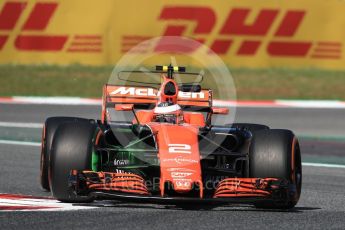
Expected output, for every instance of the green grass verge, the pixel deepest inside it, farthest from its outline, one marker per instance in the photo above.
(87, 81)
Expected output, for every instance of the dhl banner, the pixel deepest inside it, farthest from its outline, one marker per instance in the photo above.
(246, 33)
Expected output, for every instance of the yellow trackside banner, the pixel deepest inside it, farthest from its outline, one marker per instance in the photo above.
(246, 33)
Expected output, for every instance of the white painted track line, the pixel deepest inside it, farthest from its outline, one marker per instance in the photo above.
(13, 202)
(27, 143)
(323, 165)
(20, 125)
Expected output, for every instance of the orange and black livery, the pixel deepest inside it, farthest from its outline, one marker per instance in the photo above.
(156, 142)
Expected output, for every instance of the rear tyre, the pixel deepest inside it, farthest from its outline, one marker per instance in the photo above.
(249, 126)
(276, 153)
(71, 149)
(49, 129)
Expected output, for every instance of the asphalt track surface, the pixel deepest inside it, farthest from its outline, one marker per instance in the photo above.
(322, 203)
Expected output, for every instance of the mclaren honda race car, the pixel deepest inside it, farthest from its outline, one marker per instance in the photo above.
(166, 149)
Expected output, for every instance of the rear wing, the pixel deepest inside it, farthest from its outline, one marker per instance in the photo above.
(147, 97)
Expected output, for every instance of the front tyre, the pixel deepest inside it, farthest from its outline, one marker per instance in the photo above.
(72, 149)
(48, 132)
(276, 153)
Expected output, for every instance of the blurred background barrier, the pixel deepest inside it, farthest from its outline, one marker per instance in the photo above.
(246, 33)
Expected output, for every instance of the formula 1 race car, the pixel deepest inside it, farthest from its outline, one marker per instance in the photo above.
(155, 142)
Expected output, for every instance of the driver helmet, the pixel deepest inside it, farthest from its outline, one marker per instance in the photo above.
(168, 112)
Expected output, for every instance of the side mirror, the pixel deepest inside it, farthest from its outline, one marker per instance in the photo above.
(218, 110)
(124, 107)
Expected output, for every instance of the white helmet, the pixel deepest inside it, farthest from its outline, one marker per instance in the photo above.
(168, 112)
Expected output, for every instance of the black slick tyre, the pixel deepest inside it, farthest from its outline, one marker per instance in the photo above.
(49, 129)
(71, 149)
(275, 153)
